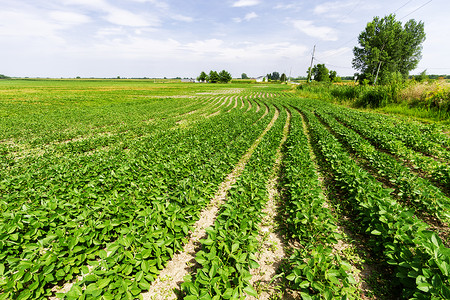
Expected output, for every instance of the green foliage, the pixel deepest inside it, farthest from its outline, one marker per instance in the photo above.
(115, 215)
(213, 77)
(320, 73)
(228, 252)
(4, 76)
(203, 77)
(421, 77)
(283, 78)
(313, 268)
(419, 256)
(274, 76)
(224, 76)
(244, 76)
(385, 46)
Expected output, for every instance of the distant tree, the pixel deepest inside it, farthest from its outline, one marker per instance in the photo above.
(320, 73)
(244, 76)
(224, 76)
(283, 78)
(214, 77)
(202, 77)
(422, 76)
(4, 76)
(386, 46)
(333, 75)
(275, 76)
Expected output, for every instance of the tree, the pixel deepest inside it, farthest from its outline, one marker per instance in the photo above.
(244, 76)
(385, 47)
(4, 76)
(275, 76)
(333, 75)
(213, 77)
(202, 77)
(283, 78)
(320, 73)
(224, 76)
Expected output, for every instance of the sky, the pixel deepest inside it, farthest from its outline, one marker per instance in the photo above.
(182, 38)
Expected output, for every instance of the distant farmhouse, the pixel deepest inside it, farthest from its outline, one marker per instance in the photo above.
(261, 79)
(188, 80)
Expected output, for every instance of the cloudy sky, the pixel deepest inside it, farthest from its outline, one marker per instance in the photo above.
(157, 38)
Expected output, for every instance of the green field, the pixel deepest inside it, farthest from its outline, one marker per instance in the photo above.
(103, 182)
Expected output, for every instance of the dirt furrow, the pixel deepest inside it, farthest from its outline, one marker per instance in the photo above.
(272, 253)
(169, 279)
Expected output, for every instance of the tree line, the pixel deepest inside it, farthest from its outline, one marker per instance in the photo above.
(214, 77)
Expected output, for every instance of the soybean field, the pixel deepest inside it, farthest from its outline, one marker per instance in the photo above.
(133, 189)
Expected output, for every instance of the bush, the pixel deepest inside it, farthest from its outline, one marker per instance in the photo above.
(346, 92)
(372, 97)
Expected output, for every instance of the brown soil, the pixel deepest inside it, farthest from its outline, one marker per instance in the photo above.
(272, 252)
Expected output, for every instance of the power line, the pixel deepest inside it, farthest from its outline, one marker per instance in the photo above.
(416, 9)
(354, 38)
(332, 65)
(402, 6)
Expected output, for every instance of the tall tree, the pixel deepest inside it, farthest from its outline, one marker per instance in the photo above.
(320, 73)
(386, 47)
(214, 77)
(244, 76)
(203, 77)
(224, 76)
(283, 78)
(275, 76)
(333, 75)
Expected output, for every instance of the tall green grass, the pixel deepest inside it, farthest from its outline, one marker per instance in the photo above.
(421, 100)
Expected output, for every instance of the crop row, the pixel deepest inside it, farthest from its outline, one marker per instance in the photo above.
(426, 139)
(421, 261)
(411, 187)
(315, 269)
(228, 250)
(113, 216)
(437, 171)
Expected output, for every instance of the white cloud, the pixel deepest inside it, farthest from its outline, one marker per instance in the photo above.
(328, 7)
(182, 18)
(322, 32)
(243, 3)
(288, 6)
(69, 18)
(126, 18)
(155, 3)
(250, 16)
(116, 15)
(19, 24)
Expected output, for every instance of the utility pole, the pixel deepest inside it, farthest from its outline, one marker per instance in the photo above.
(378, 70)
(312, 60)
(379, 64)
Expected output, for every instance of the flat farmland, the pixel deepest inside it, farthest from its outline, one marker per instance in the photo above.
(136, 189)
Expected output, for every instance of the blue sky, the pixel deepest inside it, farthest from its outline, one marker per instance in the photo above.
(157, 38)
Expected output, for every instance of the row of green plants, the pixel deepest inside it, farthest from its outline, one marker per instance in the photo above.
(228, 251)
(421, 261)
(314, 268)
(420, 192)
(436, 170)
(114, 217)
(426, 139)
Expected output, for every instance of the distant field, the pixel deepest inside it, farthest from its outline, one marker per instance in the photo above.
(134, 189)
